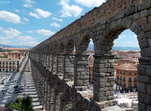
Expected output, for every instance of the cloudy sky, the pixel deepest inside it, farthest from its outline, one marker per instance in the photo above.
(29, 22)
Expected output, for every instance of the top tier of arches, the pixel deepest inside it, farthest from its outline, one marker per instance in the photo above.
(102, 27)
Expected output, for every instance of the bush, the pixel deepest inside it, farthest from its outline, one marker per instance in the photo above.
(21, 104)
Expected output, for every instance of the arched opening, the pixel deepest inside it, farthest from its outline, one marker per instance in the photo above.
(70, 46)
(61, 48)
(127, 52)
(84, 64)
(123, 44)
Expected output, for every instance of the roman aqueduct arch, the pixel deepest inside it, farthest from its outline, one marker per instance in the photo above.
(102, 25)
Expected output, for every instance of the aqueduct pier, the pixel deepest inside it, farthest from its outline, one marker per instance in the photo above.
(54, 65)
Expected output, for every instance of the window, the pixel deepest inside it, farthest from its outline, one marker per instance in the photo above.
(129, 73)
(120, 77)
(130, 80)
(135, 79)
(123, 78)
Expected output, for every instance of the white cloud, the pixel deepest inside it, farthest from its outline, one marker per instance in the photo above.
(90, 3)
(27, 5)
(54, 18)
(29, 43)
(11, 33)
(1, 29)
(55, 25)
(16, 10)
(122, 36)
(39, 13)
(9, 17)
(44, 32)
(29, 1)
(69, 10)
(26, 38)
(26, 19)
(8, 36)
(4, 40)
(29, 31)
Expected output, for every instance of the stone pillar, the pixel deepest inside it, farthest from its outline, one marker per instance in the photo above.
(51, 99)
(81, 72)
(68, 67)
(144, 84)
(45, 95)
(60, 65)
(50, 62)
(54, 64)
(45, 60)
(103, 79)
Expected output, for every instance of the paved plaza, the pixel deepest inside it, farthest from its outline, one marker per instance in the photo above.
(22, 79)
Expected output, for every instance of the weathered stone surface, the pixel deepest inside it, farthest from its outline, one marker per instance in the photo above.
(144, 79)
(143, 5)
(136, 16)
(149, 19)
(144, 98)
(144, 13)
(143, 43)
(142, 87)
(130, 11)
(149, 89)
(149, 42)
(148, 34)
(146, 52)
(146, 27)
(148, 108)
(142, 21)
(149, 11)
(141, 36)
(127, 23)
(135, 28)
(142, 107)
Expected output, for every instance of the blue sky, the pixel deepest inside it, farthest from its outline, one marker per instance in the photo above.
(29, 22)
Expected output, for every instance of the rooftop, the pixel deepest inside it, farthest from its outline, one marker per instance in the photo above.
(128, 66)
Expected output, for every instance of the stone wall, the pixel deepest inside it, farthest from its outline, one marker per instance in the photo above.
(55, 94)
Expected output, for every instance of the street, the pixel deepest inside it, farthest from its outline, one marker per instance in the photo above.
(22, 79)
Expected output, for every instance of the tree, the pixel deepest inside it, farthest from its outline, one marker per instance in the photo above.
(21, 104)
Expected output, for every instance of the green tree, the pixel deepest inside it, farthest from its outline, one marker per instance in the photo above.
(21, 104)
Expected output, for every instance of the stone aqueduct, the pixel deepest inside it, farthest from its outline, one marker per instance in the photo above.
(54, 65)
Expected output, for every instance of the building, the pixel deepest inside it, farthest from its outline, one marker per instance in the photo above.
(126, 77)
(14, 54)
(126, 54)
(10, 61)
(9, 65)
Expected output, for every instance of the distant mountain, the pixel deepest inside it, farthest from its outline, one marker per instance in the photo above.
(127, 48)
(2, 45)
(90, 47)
(16, 46)
(118, 48)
